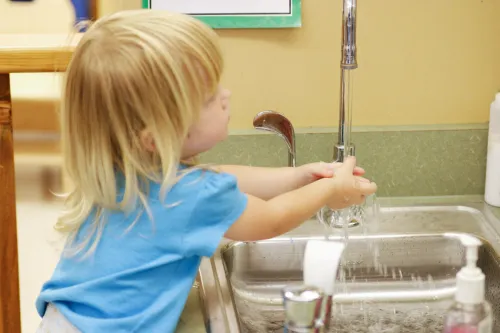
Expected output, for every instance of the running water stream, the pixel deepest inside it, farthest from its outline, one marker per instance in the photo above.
(366, 317)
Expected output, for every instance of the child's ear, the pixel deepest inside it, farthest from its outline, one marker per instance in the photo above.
(147, 141)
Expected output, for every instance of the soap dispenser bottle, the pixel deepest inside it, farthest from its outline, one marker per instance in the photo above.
(470, 313)
(492, 185)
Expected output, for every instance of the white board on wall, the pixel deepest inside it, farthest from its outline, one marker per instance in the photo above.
(236, 13)
(204, 7)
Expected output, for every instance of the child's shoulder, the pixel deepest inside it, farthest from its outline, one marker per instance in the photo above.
(208, 178)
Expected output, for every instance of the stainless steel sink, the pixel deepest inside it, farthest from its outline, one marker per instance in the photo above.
(397, 275)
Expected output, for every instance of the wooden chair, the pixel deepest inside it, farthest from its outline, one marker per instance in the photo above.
(18, 54)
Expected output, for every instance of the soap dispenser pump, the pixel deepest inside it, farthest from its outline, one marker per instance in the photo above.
(470, 313)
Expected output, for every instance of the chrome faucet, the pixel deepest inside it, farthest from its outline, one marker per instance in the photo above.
(308, 306)
(353, 215)
(279, 124)
(349, 62)
(307, 309)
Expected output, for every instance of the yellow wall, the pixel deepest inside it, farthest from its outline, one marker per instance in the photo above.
(420, 62)
(40, 16)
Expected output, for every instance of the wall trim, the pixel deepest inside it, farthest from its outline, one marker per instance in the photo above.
(364, 129)
(54, 136)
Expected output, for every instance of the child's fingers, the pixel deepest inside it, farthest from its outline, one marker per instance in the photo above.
(363, 180)
(367, 187)
(349, 164)
(358, 171)
(325, 170)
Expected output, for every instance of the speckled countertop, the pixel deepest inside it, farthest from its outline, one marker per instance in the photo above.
(192, 320)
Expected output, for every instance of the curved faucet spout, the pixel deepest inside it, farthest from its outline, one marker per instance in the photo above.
(277, 123)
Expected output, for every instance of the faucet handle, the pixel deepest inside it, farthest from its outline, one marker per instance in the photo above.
(277, 123)
(303, 308)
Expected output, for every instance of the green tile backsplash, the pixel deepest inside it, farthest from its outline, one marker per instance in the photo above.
(403, 163)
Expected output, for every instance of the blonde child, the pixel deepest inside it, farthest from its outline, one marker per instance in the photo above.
(142, 99)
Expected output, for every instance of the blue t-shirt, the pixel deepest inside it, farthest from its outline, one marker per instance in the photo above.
(138, 280)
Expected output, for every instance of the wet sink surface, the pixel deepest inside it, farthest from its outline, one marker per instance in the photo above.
(411, 279)
(397, 275)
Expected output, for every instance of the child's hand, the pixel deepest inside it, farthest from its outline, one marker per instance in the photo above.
(314, 171)
(350, 188)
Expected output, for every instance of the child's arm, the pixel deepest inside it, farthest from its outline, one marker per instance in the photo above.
(267, 219)
(267, 183)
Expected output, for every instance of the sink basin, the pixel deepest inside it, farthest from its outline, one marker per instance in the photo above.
(396, 275)
(411, 279)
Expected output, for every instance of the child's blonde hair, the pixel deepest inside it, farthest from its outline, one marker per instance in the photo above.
(132, 71)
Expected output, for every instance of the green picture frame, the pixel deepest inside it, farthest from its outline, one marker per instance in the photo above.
(251, 21)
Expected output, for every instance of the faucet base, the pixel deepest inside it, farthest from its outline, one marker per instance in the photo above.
(354, 219)
(351, 224)
(338, 219)
(339, 152)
